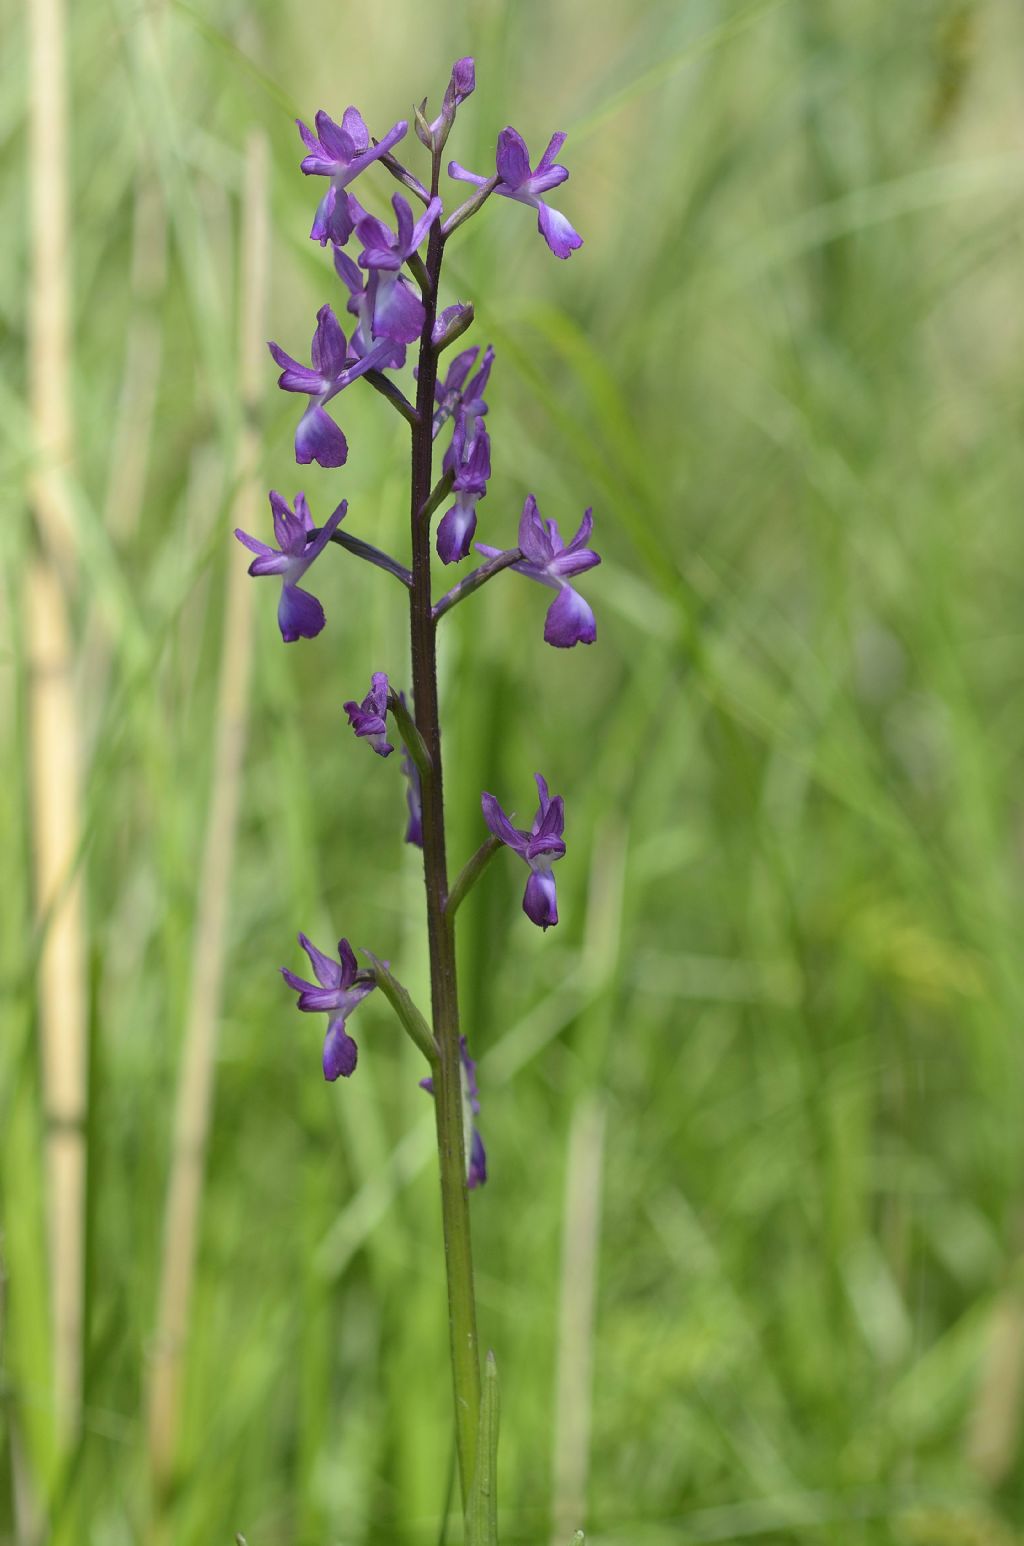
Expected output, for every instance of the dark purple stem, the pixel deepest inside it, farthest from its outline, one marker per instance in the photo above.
(440, 934)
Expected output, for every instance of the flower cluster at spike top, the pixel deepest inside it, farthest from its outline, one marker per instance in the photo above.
(389, 290)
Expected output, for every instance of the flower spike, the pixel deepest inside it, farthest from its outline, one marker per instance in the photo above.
(333, 368)
(299, 614)
(338, 989)
(550, 561)
(517, 181)
(539, 848)
(340, 152)
(370, 718)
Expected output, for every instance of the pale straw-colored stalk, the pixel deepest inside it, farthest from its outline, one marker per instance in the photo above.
(576, 1313)
(53, 717)
(133, 424)
(196, 1077)
(994, 1428)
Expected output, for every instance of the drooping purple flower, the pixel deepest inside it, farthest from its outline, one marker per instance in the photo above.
(340, 152)
(318, 438)
(370, 718)
(472, 457)
(448, 392)
(539, 848)
(397, 310)
(570, 619)
(476, 1158)
(461, 85)
(299, 614)
(360, 306)
(339, 987)
(519, 182)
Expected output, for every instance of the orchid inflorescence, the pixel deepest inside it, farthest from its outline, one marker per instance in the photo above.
(390, 274)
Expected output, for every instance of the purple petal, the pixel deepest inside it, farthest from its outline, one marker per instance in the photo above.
(329, 352)
(297, 983)
(512, 158)
(318, 439)
(534, 539)
(547, 160)
(349, 272)
(540, 901)
(353, 124)
(567, 563)
(423, 224)
(477, 1162)
(570, 620)
(463, 79)
(398, 314)
(254, 544)
(288, 528)
(500, 825)
(349, 964)
(552, 814)
(340, 1052)
(455, 532)
(462, 174)
(270, 563)
(309, 139)
(326, 531)
(403, 223)
(557, 231)
(294, 377)
(335, 140)
(315, 1000)
(299, 615)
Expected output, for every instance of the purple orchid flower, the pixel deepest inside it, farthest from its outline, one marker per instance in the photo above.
(398, 312)
(570, 619)
(340, 152)
(299, 614)
(370, 718)
(448, 393)
(472, 458)
(341, 987)
(461, 85)
(360, 306)
(519, 182)
(476, 1158)
(538, 848)
(318, 438)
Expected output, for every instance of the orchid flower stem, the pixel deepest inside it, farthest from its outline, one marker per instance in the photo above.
(414, 742)
(465, 211)
(470, 874)
(447, 1084)
(407, 1012)
(442, 488)
(416, 267)
(474, 581)
(404, 176)
(395, 396)
(372, 555)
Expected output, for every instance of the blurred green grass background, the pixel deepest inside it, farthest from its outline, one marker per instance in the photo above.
(776, 1038)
